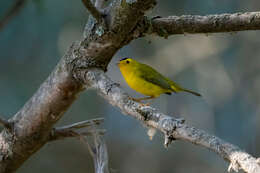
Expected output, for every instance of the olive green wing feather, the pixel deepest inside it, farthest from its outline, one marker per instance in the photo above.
(151, 75)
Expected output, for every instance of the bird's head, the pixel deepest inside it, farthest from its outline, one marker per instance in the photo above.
(126, 62)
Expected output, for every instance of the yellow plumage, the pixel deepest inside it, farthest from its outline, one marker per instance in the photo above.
(147, 81)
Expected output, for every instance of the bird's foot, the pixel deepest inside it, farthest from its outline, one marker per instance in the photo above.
(139, 100)
(136, 100)
(145, 104)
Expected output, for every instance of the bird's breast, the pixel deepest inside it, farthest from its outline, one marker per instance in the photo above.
(137, 83)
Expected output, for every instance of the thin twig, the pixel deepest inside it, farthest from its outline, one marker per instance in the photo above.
(14, 10)
(98, 151)
(72, 130)
(172, 128)
(93, 10)
(82, 124)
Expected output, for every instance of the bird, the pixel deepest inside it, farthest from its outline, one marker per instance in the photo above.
(147, 81)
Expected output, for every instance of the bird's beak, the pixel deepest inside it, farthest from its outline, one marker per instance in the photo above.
(117, 64)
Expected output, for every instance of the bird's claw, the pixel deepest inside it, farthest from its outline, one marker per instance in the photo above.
(145, 104)
(139, 101)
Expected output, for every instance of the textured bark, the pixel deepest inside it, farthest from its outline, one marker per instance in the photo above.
(172, 128)
(124, 20)
(33, 124)
(193, 24)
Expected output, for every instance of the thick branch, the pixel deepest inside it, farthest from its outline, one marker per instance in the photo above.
(172, 128)
(76, 130)
(14, 10)
(193, 24)
(34, 122)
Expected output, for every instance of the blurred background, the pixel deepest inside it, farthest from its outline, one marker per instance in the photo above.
(224, 68)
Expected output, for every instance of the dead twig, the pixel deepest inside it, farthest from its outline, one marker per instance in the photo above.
(13, 11)
(98, 151)
(93, 10)
(82, 128)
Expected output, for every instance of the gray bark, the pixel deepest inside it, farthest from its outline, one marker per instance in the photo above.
(33, 123)
(194, 24)
(124, 21)
(172, 128)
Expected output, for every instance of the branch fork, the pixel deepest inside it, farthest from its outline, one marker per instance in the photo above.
(127, 22)
(83, 128)
(170, 125)
(171, 128)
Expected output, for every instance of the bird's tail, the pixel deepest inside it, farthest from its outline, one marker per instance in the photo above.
(192, 92)
(176, 88)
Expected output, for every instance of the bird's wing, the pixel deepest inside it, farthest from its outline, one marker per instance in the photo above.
(151, 75)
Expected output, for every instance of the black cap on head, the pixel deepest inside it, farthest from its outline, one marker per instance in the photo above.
(123, 59)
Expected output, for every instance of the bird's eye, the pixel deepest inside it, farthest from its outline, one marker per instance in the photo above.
(127, 62)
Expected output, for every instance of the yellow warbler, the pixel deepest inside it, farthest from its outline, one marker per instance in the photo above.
(147, 81)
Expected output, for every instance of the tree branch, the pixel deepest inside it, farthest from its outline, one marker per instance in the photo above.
(98, 151)
(33, 123)
(193, 24)
(93, 10)
(14, 10)
(72, 130)
(100, 4)
(172, 128)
